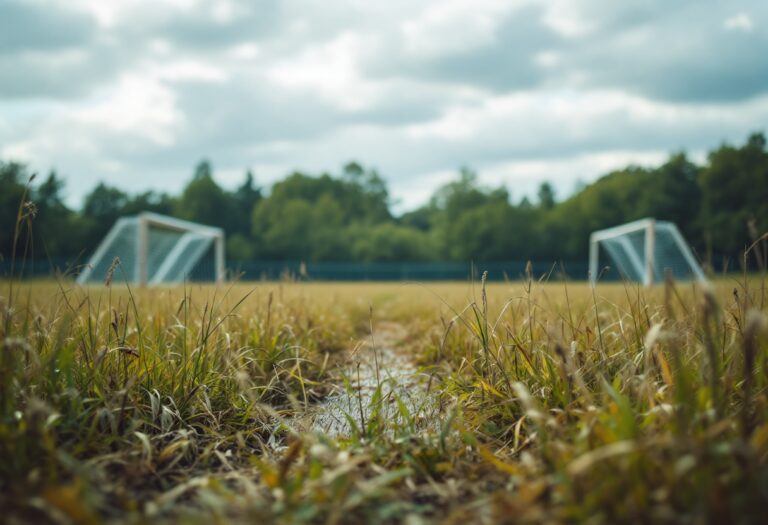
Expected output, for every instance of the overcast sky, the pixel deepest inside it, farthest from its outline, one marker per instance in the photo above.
(135, 92)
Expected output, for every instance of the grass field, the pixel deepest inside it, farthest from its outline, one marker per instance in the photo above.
(520, 402)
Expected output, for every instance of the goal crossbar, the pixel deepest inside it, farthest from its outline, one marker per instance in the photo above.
(194, 240)
(645, 263)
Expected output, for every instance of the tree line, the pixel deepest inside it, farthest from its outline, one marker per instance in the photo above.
(720, 206)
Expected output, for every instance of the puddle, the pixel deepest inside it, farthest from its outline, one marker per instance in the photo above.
(400, 382)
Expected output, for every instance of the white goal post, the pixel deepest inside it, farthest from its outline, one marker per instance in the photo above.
(644, 251)
(156, 249)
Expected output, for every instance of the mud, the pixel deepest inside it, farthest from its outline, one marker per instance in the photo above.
(404, 402)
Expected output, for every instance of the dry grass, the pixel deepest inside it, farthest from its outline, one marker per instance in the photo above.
(558, 403)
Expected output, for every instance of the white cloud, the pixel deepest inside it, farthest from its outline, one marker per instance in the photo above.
(330, 69)
(454, 25)
(90, 138)
(525, 118)
(138, 105)
(245, 51)
(547, 59)
(739, 22)
(224, 11)
(569, 18)
(111, 13)
(188, 70)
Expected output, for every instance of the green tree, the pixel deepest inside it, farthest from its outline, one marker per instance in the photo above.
(734, 188)
(421, 218)
(13, 178)
(150, 201)
(672, 193)
(347, 216)
(309, 218)
(102, 207)
(245, 197)
(546, 196)
(299, 230)
(609, 201)
(367, 191)
(461, 207)
(240, 247)
(58, 231)
(390, 242)
(203, 200)
(104, 203)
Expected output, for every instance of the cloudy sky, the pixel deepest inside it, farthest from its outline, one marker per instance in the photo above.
(135, 92)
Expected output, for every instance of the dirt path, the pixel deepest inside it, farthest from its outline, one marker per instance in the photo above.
(382, 363)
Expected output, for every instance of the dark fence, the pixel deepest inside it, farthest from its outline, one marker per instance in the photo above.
(342, 271)
(382, 271)
(402, 271)
(38, 268)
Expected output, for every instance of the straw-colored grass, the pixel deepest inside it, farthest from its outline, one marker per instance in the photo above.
(558, 403)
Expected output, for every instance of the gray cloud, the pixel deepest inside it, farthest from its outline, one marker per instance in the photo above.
(56, 75)
(25, 26)
(630, 78)
(680, 51)
(506, 62)
(199, 30)
(683, 55)
(47, 51)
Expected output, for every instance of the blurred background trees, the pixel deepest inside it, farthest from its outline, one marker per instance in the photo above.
(347, 217)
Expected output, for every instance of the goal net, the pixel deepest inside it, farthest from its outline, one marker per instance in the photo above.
(644, 251)
(155, 249)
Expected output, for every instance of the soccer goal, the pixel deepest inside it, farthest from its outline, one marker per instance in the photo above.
(644, 251)
(155, 249)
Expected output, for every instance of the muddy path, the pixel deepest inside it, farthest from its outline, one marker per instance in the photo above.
(381, 389)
